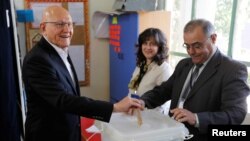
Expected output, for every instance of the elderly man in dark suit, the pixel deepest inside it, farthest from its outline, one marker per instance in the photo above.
(53, 95)
(207, 88)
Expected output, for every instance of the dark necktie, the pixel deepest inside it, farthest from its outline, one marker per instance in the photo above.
(194, 75)
(193, 78)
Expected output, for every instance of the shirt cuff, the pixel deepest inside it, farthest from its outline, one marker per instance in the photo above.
(197, 124)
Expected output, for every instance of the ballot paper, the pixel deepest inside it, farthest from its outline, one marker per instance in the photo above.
(137, 110)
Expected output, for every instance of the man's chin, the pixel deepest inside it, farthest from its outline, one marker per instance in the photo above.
(195, 61)
(64, 45)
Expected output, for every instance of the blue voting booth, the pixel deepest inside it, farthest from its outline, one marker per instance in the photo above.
(123, 37)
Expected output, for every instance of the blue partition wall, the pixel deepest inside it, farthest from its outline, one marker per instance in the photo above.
(122, 64)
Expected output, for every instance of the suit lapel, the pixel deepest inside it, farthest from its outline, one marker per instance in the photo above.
(61, 67)
(186, 68)
(75, 75)
(65, 72)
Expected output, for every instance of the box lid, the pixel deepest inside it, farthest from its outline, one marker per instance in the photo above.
(156, 126)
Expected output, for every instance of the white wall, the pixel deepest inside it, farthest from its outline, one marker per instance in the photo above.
(99, 57)
(99, 53)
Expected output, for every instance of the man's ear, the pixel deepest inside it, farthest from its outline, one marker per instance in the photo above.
(42, 27)
(214, 38)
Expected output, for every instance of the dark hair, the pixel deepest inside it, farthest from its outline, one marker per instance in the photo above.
(160, 41)
(207, 26)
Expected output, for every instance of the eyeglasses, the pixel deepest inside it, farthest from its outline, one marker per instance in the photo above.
(61, 25)
(196, 45)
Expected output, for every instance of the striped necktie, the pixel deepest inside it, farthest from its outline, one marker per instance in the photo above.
(194, 75)
(193, 78)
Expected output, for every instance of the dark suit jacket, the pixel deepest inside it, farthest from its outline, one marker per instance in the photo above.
(53, 102)
(218, 96)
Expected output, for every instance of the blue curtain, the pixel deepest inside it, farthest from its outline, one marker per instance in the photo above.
(10, 116)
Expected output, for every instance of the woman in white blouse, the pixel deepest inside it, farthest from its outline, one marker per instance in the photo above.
(151, 66)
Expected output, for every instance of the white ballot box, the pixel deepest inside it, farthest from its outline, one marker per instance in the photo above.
(155, 127)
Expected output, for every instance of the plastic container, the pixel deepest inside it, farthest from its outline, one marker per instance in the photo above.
(155, 127)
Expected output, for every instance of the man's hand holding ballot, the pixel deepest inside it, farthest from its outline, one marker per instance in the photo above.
(137, 109)
(123, 105)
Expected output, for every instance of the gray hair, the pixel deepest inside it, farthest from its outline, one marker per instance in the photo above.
(207, 26)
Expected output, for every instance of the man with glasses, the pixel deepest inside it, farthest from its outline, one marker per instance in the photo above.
(53, 95)
(206, 88)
